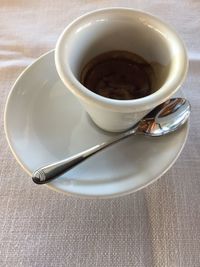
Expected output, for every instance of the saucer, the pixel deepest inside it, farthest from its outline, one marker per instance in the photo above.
(45, 123)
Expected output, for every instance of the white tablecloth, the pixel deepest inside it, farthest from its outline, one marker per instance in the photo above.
(157, 226)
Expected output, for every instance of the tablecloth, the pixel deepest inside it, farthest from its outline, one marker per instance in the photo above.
(157, 226)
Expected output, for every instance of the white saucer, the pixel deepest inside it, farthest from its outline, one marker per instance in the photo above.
(44, 123)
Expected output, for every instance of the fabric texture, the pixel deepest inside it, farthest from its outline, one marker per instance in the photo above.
(157, 226)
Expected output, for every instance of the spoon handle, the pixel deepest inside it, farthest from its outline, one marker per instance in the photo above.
(52, 171)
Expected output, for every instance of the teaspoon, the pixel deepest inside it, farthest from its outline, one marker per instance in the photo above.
(162, 120)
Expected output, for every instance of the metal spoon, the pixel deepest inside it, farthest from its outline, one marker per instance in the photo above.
(162, 120)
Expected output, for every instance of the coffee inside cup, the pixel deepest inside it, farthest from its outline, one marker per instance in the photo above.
(119, 75)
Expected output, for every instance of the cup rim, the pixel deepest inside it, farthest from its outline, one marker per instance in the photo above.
(169, 88)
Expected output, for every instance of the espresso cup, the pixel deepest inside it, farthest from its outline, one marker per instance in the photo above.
(121, 29)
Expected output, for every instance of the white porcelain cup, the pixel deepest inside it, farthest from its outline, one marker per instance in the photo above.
(128, 30)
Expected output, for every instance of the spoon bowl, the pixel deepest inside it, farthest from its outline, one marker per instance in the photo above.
(165, 118)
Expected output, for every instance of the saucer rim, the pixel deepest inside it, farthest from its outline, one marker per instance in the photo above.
(74, 194)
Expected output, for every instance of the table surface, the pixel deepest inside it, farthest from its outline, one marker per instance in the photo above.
(157, 226)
